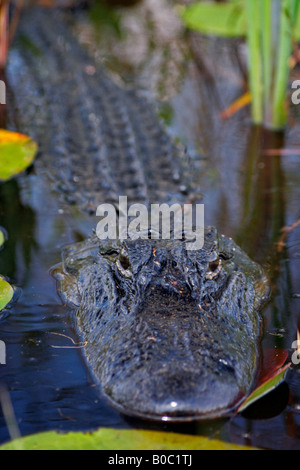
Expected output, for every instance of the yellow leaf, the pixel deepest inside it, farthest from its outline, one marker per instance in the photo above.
(17, 152)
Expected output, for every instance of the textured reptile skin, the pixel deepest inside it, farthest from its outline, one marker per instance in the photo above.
(97, 140)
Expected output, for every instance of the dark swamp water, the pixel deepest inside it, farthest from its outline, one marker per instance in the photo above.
(249, 194)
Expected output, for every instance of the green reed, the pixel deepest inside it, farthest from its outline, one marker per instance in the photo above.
(270, 27)
(270, 40)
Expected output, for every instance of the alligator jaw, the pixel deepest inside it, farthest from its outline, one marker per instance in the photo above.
(198, 396)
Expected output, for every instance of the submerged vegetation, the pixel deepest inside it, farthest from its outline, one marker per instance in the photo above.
(271, 27)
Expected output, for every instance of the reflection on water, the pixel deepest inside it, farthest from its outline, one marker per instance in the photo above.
(247, 194)
(19, 222)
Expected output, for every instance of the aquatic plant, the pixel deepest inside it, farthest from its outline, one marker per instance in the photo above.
(270, 27)
(120, 439)
(6, 293)
(17, 152)
(270, 38)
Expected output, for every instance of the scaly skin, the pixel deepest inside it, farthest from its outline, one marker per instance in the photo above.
(97, 140)
(171, 333)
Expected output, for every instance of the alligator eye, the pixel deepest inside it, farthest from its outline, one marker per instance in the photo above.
(214, 266)
(174, 264)
(225, 256)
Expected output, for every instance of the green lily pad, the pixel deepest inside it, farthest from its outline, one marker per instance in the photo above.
(116, 439)
(17, 152)
(6, 293)
(218, 19)
(2, 238)
(221, 19)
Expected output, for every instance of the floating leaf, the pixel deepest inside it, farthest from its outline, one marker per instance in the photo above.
(271, 375)
(238, 104)
(226, 20)
(17, 152)
(265, 387)
(116, 439)
(2, 238)
(6, 293)
(222, 19)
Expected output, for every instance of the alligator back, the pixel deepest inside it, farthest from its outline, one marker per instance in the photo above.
(97, 139)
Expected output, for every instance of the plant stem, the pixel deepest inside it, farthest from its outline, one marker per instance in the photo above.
(267, 55)
(270, 42)
(288, 16)
(255, 59)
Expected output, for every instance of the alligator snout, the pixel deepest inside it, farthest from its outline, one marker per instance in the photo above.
(178, 362)
(175, 390)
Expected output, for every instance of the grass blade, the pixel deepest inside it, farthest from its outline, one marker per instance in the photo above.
(253, 8)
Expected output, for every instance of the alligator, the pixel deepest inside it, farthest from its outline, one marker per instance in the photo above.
(170, 333)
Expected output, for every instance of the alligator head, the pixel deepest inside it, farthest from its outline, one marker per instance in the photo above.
(171, 333)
